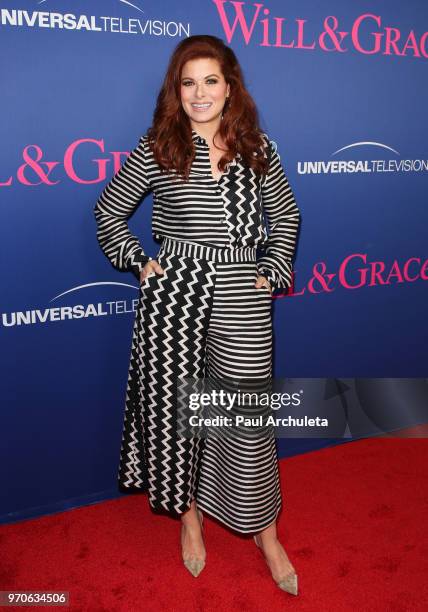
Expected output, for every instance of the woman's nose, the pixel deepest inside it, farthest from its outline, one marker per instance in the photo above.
(200, 91)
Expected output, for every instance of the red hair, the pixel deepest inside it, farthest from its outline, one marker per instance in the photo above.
(170, 136)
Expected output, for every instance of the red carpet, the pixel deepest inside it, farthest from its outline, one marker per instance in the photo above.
(353, 523)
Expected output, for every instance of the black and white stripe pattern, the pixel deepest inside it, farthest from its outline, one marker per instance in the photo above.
(239, 480)
(202, 318)
(231, 212)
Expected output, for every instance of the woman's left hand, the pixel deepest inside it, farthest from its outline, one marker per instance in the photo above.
(261, 281)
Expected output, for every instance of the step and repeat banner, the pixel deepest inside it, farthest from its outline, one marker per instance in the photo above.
(341, 89)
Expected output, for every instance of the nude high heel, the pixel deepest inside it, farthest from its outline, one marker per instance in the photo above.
(286, 583)
(194, 564)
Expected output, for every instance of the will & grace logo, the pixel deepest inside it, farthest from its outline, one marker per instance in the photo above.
(356, 271)
(258, 24)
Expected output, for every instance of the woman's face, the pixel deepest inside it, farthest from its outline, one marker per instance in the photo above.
(203, 91)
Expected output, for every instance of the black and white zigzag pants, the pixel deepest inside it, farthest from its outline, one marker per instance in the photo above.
(203, 317)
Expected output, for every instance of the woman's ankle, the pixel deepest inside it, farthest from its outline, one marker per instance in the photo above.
(190, 518)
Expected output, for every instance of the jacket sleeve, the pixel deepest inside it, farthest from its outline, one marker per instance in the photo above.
(283, 220)
(115, 205)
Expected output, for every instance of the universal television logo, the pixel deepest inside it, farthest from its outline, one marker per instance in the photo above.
(107, 24)
(363, 166)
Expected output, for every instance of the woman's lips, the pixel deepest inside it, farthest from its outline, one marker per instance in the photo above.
(203, 108)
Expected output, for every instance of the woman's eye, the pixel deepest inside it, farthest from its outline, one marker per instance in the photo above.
(186, 83)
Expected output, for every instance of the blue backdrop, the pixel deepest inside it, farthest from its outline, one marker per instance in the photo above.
(341, 88)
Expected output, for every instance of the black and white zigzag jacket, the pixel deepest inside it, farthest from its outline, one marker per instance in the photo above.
(240, 209)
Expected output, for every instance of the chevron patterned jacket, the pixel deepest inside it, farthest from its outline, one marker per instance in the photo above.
(231, 212)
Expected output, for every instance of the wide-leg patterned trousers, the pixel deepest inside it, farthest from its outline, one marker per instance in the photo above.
(203, 317)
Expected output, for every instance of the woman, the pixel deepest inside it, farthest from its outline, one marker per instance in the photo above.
(205, 301)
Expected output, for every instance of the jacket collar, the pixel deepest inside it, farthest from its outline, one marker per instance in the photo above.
(200, 140)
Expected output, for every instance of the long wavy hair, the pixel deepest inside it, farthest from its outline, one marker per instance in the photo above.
(170, 136)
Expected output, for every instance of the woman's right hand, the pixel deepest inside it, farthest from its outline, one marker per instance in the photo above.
(151, 266)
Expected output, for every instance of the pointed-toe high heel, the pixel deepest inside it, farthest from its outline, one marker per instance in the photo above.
(286, 583)
(195, 565)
